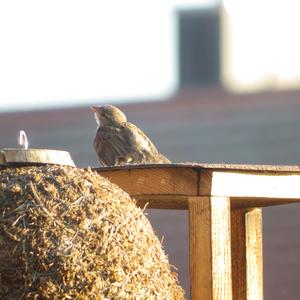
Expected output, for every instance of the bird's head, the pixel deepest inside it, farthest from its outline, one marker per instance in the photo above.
(108, 114)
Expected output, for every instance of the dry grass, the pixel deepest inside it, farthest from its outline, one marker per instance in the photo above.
(67, 233)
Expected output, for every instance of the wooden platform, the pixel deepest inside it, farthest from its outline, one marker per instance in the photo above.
(170, 186)
(225, 219)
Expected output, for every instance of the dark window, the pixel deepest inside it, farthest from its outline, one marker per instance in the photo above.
(199, 47)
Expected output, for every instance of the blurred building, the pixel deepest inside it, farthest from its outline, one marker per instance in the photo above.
(199, 47)
(259, 48)
(247, 46)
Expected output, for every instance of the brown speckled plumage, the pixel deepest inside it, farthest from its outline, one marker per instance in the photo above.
(118, 142)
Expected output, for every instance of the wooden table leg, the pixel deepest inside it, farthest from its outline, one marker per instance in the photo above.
(246, 251)
(210, 255)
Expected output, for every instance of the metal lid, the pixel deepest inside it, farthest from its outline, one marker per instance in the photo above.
(25, 156)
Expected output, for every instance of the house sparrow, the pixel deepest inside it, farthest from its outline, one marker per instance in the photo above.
(118, 142)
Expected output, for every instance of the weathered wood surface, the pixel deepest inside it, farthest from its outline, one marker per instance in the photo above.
(16, 156)
(202, 166)
(253, 184)
(225, 225)
(210, 254)
(162, 201)
(163, 181)
(254, 255)
(238, 254)
(247, 186)
(246, 254)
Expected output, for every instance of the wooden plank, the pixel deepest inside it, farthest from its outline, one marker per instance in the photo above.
(249, 168)
(205, 182)
(246, 190)
(210, 255)
(251, 185)
(246, 254)
(181, 202)
(162, 181)
(254, 254)
(252, 202)
(205, 167)
(238, 254)
(162, 201)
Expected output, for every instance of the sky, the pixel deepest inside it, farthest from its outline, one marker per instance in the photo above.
(75, 52)
(68, 52)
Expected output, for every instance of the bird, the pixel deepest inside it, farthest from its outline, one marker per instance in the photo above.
(118, 142)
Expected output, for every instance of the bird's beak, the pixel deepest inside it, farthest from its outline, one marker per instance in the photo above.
(94, 108)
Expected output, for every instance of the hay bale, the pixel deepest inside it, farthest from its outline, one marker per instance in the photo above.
(67, 233)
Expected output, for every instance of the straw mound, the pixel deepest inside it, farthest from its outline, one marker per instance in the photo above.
(67, 233)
